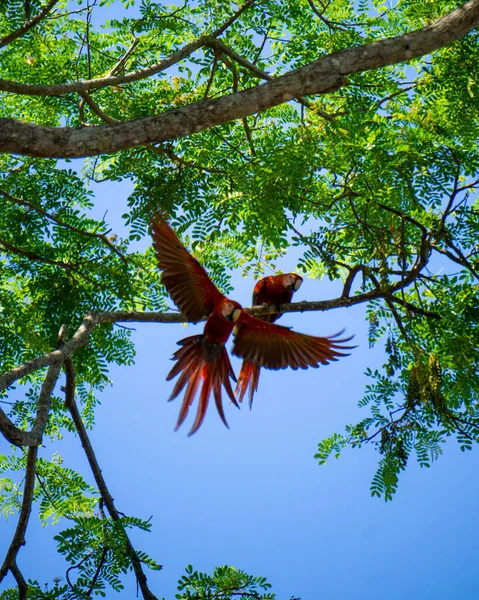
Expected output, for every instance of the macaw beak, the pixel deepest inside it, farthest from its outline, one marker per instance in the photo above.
(297, 284)
(234, 316)
(294, 287)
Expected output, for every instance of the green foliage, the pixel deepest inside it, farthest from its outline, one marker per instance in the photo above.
(96, 549)
(62, 492)
(226, 582)
(373, 184)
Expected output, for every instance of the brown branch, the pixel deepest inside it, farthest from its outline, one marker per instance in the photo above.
(44, 401)
(81, 336)
(33, 256)
(68, 267)
(48, 496)
(12, 433)
(121, 63)
(399, 322)
(28, 24)
(211, 77)
(234, 17)
(86, 98)
(19, 536)
(315, 78)
(415, 309)
(98, 111)
(181, 161)
(327, 22)
(79, 339)
(98, 476)
(81, 87)
(350, 279)
(404, 216)
(20, 579)
(457, 258)
(101, 562)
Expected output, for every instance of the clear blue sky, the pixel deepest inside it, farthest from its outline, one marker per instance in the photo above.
(253, 496)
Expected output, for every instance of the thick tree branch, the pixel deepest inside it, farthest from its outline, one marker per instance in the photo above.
(413, 308)
(20, 579)
(315, 78)
(44, 401)
(79, 339)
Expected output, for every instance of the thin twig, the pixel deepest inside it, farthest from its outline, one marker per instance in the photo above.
(101, 236)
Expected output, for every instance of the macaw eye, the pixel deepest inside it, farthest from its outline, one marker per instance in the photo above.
(227, 310)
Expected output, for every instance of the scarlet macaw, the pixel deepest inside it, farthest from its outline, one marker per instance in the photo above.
(203, 359)
(273, 290)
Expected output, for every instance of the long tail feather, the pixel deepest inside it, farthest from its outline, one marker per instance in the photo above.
(203, 402)
(198, 368)
(218, 401)
(190, 394)
(254, 384)
(249, 377)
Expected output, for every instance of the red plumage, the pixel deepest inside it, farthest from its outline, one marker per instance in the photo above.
(202, 361)
(273, 290)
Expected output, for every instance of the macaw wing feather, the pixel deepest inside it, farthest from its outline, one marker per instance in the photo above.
(257, 292)
(186, 280)
(275, 347)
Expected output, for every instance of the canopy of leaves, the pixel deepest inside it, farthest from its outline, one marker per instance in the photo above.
(374, 182)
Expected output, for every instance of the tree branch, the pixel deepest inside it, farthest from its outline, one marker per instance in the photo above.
(10, 564)
(68, 267)
(97, 474)
(81, 87)
(101, 236)
(80, 338)
(28, 24)
(315, 78)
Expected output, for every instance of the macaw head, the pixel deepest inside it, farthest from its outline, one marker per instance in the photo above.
(230, 310)
(292, 282)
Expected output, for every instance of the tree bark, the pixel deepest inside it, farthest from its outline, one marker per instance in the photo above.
(318, 77)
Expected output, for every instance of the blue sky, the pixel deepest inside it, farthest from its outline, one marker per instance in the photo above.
(253, 496)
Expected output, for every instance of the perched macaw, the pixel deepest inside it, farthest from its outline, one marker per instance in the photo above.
(202, 359)
(273, 290)
(276, 290)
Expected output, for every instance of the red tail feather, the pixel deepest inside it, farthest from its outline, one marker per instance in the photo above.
(249, 377)
(201, 364)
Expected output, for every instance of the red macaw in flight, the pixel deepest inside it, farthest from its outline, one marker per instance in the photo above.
(273, 290)
(202, 359)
